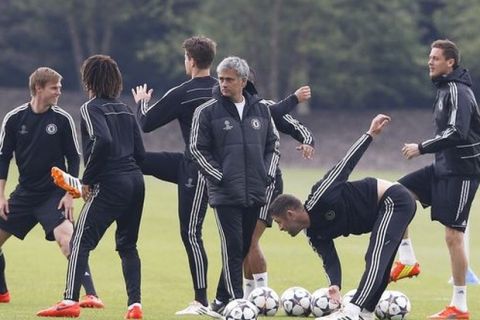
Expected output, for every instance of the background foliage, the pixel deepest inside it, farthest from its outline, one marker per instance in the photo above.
(355, 54)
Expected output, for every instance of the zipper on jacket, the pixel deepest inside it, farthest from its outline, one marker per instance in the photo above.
(244, 161)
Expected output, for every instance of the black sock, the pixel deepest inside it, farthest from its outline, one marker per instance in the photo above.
(87, 283)
(201, 296)
(3, 284)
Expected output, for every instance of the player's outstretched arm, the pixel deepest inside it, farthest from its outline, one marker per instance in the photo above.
(342, 170)
(303, 94)
(287, 105)
(377, 125)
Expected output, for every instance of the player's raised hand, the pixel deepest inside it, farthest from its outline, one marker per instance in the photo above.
(303, 94)
(306, 150)
(141, 93)
(378, 123)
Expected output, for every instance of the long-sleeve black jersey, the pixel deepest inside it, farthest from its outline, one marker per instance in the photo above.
(111, 139)
(337, 207)
(178, 103)
(39, 141)
(283, 121)
(457, 120)
(287, 124)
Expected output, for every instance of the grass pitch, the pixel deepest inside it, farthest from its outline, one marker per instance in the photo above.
(36, 269)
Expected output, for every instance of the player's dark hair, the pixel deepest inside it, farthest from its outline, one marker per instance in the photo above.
(450, 50)
(283, 203)
(201, 50)
(101, 76)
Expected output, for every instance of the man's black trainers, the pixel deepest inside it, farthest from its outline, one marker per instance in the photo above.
(217, 307)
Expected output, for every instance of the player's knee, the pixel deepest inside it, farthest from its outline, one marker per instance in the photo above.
(3, 237)
(63, 231)
(186, 235)
(64, 244)
(126, 253)
(453, 237)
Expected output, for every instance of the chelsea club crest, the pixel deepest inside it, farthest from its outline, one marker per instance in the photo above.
(329, 215)
(228, 125)
(51, 128)
(255, 123)
(440, 105)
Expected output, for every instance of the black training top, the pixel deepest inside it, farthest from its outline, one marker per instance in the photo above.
(457, 127)
(39, 141)
(111, 140)
(339, 208)
(178, 103)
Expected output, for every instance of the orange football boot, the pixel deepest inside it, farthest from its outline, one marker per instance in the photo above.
(134, 312)
(67, 182)
(91, 301)
(400, 271)
(61, 309)
(450, 312)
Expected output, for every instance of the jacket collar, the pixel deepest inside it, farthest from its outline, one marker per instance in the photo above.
(250, 100)
(459, 74)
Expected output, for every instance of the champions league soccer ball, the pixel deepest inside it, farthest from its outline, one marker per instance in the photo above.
(266, 300)
(393, 305)
(240, 309)
(296, 302)
(321, 304)
(348, 296)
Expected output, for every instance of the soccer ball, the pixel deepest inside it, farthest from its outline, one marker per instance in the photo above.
(321, 304)
(266, 300)
(348, 296)
(393, 305)
(240, 309)
(296, 302)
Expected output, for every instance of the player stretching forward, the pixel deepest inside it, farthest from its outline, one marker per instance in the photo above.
(337, 207)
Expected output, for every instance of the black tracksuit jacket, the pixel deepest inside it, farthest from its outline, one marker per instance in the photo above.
(457, 120)
(239, 157)
(111, 139)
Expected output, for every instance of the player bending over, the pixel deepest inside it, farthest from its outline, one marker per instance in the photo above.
(337, 207)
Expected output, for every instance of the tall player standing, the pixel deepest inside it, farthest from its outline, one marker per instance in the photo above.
(180, 103)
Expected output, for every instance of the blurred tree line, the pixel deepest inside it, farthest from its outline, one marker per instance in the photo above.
(354, 54)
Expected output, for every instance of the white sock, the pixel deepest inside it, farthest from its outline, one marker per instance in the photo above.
(459, 298)
(249, 286)
(352, 310)
(130, 307)
(261, 279)
(68, 302)
(405, 252)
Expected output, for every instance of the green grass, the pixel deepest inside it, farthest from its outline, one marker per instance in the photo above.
(36, 269)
